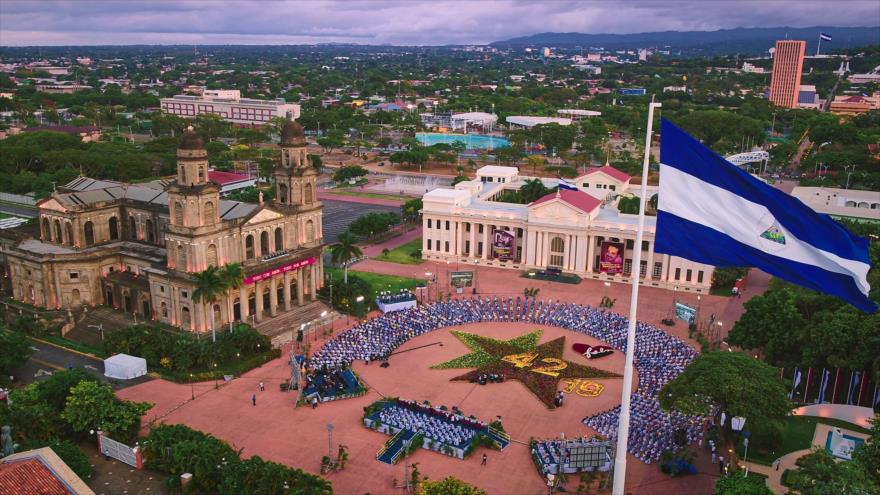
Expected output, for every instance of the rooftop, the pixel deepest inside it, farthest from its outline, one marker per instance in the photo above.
(39, 472)
(580, 200)
(531, 121)
(223, 178)
(611, 172)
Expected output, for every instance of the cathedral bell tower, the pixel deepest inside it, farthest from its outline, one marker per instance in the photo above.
(295, 178)
(193, 201)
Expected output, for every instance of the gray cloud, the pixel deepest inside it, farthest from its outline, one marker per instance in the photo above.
(418, 22)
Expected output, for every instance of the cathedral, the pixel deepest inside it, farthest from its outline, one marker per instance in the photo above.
(137, 247)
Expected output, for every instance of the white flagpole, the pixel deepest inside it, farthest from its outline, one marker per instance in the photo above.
(625, 395)
(819, 46)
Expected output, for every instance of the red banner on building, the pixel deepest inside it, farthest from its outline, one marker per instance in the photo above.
(281, 269)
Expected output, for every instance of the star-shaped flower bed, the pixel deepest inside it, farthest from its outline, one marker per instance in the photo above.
(538, 367)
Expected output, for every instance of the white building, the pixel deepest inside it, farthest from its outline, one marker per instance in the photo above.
(473, 121)
(841, 203)
(528, 121)
(577, 113)
(229, 104)
(568, 230)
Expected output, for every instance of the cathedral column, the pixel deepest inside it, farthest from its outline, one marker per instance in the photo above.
(473, 241)
(258, 287)
(286, 291)
(485, 241)
(649, 273)
(313, 283)
(244, 306)
(591, 253)
(273, 296)
(299, 286)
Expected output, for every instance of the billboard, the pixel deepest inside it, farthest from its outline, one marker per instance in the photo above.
(611, 258)
(461, 279)
(503, 244)
(685, 313)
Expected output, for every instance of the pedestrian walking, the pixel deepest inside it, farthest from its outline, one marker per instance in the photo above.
(262, 387)
(314, 402)
(720, 464)
(254, 399)
(485, 460)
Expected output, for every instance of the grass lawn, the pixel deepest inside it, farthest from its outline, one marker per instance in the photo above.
(379, 281)
(402, 254)
(797, 434)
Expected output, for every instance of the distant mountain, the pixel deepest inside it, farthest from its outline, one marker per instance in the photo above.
(753, 41)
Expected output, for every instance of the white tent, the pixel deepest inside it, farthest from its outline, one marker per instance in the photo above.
(125, 367)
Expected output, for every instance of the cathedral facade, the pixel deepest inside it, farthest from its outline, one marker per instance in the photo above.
(137, 248)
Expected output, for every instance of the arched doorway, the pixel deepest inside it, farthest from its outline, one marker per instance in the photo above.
(236, 309)
(184, 317)
(218, 317)
(89, 231)
(108, 297)
(126, 298)
(114, 228)
(68, 230)
(279, 239)
(75, 297)
(266, 301)
(557, 253)
(264, 243)
(145, 307)
(58, 238)
(279, 294)
(252, 303)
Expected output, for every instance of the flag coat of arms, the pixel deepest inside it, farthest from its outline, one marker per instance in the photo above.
(710, 211)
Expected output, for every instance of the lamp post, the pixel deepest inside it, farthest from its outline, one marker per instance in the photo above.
(330, 440)
(192, 387)
(746, 456)
(699, 299)
(216, 385)
(100, 328)
(720, 325)
(849, 171)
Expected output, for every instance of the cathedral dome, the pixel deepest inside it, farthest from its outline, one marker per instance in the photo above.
(293, 134)
(191, 140)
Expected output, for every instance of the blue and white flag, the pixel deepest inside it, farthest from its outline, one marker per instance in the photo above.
(853, 385)
(823, 385)
(712, 212)
(796, 382)
(564, 184)
(824, 37)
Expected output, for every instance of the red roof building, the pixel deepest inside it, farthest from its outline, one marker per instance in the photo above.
(610, 172)
(39, 472)
(582, 201)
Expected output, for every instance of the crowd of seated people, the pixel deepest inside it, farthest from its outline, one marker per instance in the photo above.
(388, 297)
(441, 426)
(659, 357)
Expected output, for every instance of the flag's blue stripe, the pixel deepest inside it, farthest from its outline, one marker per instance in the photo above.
(681, 151)
(696, 242)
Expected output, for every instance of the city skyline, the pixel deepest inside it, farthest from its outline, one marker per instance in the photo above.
(392, 22)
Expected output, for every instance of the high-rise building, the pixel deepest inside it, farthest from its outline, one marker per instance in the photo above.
(788, 62)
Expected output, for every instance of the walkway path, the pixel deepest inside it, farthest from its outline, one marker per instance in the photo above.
(374, 250)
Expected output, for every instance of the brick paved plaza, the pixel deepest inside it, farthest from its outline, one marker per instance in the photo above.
(274, 430)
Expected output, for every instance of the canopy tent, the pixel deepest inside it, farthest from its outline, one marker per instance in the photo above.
(124, 367)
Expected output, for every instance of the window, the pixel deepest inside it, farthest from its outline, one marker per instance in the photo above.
(183, 176)
(178, 213)
(310, 231)
(447, 246)
(114, 228)
(658, 270)
(467, 247)
(132, 227)
(612, 187)
(183, 294)
(181, 258)
(630, 243)
(585, 184)
(700, 277)
(162, 289)
(212, 255)
(201, 174)
(557, 252)
(264, 243)
(74, 275)
(479, 249)
(627, 267)
(210, 213)
(429, 223)
(599, 240)
(148, 226)
(687, 276)
(68, 230)
(58, 237)
(279, 239)
(678, 274)
(447, 225)
(47, 231)
(643, 268)
(429, 244)
(89, 233)
(249, 247)
(467, 227)
(308, 193)
(163, 310)
(644, 245)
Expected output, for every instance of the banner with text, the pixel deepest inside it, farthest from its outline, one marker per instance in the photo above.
(611, 258)
(279, 270)
(503, 244)
(462, 279)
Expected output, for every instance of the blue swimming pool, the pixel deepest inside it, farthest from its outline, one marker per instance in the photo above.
(471, 141)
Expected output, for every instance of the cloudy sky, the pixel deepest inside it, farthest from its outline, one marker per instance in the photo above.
(418, 22)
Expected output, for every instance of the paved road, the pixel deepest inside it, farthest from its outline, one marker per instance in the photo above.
(47, 359)
(338, 215)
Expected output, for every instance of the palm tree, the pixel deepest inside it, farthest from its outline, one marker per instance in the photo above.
(344, 251)
(209, 286)
(232, 277)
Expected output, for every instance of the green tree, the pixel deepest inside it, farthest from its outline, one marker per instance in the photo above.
(508, 155)
(736, 484)
(343, 174)
(211, 126)
(460, 178)
(344, 251)
(555, 138)
(733, 382)
(92, 405)
(533, 190)
(16, 351)
(536, 161)
(819, 474)
(209, 288)
(449, 486)
(772, 323)
(316, 162)
(411, 209)
(868, 455)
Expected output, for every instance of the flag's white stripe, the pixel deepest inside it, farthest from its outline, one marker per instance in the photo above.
(690, 198)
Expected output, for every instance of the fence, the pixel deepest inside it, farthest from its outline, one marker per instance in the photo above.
(119, 451)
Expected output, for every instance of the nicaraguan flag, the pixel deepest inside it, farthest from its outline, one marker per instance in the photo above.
(822, 386)
(712, 212)
(796, 382)
(824, 37)
(564, 184)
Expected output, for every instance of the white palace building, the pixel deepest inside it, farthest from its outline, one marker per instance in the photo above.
(567, 230)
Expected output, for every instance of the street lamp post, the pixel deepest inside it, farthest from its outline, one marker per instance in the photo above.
(746, 456)
(720, 325)
(330, 440)
(192, 387)
(849, 171)
(216, 385)
(100, 327)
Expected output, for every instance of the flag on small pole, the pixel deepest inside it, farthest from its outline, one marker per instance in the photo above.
(564, 184)
(822, 37)
(710, 211)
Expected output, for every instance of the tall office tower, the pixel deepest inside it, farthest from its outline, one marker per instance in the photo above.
(788, 62)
